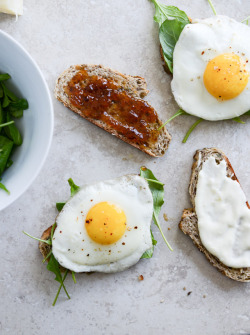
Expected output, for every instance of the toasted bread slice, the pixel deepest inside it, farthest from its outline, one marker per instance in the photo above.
(44, 247)
(113, 102)
(189, 220)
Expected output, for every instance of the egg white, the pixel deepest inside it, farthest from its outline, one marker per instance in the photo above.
(76, 251)
(198, 43)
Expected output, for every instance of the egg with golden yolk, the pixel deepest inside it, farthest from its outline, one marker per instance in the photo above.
(211, 68)
(105, 227)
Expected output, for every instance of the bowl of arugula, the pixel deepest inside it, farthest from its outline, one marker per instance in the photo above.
(26, 120)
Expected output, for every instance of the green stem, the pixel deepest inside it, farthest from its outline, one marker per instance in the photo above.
(179, 112)
(190, 130)
(38, 239)
(47, 256)
(62, 285)
(246, 20)
(154, 181)
(159, 227)
(6, 124)
(52, 231)
(212, 6)
(73, 276)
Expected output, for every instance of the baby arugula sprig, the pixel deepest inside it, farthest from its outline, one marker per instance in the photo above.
(11, 107)
(157, 189)
(171, 22)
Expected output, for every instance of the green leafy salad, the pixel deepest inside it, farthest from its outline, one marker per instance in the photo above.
(11, 108)
(171, 22)
(157, 190)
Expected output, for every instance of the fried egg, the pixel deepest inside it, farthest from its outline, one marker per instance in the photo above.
(211, 68)
(105, 227)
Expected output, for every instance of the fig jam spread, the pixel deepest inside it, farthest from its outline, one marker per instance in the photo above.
(102, 99)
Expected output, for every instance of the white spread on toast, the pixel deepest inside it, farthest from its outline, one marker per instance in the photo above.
(223, 216)
(14, 7)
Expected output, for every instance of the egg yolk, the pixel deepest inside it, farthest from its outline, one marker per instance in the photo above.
(105, 223)
(225, 76)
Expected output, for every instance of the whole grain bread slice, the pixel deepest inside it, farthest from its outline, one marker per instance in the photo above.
(189, 220)
(133, 86)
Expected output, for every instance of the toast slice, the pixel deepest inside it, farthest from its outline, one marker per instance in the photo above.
(189, 220)
(113, 102)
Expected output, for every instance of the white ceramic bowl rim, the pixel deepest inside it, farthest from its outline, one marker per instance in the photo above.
(6, 200)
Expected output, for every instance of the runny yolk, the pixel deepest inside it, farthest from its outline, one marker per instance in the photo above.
(225, 76)
(105, 223)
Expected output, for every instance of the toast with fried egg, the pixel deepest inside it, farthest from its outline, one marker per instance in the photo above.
(113, 101)
(189, 219)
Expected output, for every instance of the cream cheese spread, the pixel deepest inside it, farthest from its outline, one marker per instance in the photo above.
(223, 216)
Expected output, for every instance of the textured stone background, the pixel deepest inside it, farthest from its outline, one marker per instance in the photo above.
(121, 35)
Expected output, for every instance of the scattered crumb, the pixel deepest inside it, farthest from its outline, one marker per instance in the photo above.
(189, 293)
(162, 300)
(165, 217)
(204, 296)
(169, 228)
(140, 278)
(184, 288)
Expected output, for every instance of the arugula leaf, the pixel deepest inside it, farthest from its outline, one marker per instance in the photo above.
(4, 188)
(149, 253)
(19, 105)
(12, 132)
(157, 189)
(4, 76)
(54, 267)
(73, 187)
(60, 205)
(238, 119)
(164, 12)
(169, 33)
(6, 146)
(171, 22)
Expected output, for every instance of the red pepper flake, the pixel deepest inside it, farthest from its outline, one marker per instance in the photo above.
(135, 227)
(247, 61)
(111, 233)
(60, 231)
(189, 293)
(123, 243)
(87, 221)
(91, 200)
(140, 278)
(203, 52)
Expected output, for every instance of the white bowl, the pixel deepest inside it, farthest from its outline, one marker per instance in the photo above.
(36, 125)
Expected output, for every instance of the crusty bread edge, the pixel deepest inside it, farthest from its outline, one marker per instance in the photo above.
(189, 221)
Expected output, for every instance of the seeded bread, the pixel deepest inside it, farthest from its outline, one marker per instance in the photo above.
(134, 86)
(44, 247)
(189, 220)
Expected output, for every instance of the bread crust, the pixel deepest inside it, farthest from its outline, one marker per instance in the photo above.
(134, 86)
(189, 220)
